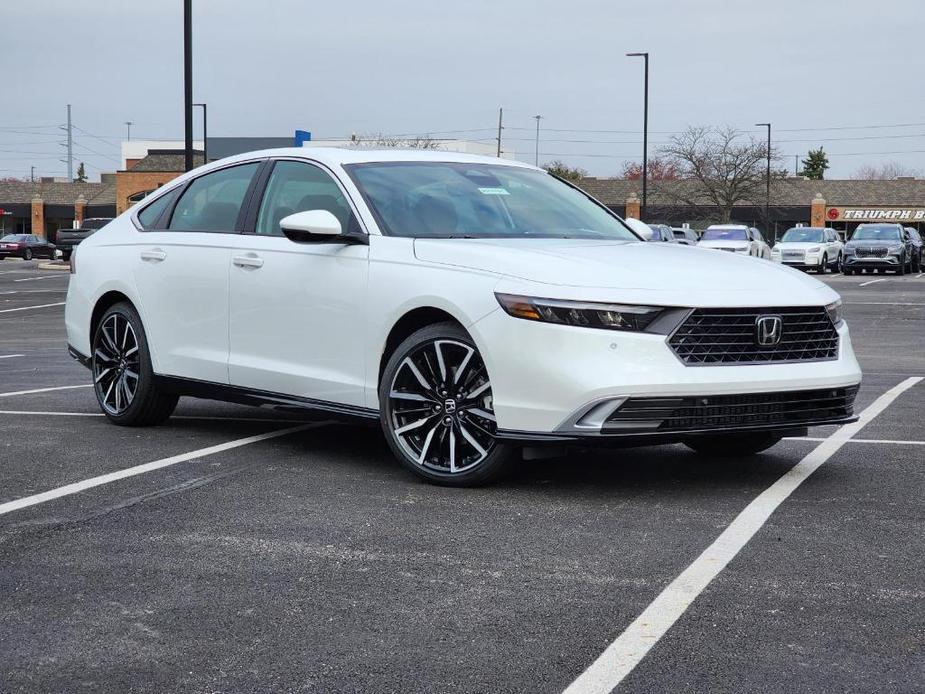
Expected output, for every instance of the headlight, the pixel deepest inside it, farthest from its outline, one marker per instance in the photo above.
(814, 249)
(849, 250)
(835, 311)
(579, 313)
(896, 250)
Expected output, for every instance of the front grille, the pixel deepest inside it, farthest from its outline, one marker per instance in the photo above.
(716, 336)
(871, 252)
(795, 408)
(793, 255)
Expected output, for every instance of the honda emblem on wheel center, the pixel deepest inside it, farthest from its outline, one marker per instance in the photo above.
(450, 406)
(768, 330)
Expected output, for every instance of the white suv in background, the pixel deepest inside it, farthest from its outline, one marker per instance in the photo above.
(737, 238)
(810, 248)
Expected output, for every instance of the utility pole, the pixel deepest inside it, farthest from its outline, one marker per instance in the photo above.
(128, 130)
(188, 82)
(70, 146)
(32, 174)
(796, 164)
(205, 134)
(645, 132)
(767, 180)
(537, 159)
(500, 117)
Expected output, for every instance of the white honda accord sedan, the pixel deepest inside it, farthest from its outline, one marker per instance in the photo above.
(473, 306)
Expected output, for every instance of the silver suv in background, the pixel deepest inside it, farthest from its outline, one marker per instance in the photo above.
(685, 236)
(809, 248)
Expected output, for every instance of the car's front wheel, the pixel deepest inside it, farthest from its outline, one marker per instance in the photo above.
(436, 409)
(27, 254)
(123, 378)
(724, 445)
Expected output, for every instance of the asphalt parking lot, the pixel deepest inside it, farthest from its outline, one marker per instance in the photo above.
(310, 562)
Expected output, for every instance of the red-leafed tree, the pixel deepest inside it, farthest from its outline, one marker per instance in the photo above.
(659, 169)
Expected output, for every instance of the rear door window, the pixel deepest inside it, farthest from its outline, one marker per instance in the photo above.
(213, 202)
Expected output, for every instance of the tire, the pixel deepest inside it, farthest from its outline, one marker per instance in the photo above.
(431, 378)
(824, 265)
(838, 264)
(728, 445)
(27, 254)
(120, 360)
(901, 270)
(66, 255)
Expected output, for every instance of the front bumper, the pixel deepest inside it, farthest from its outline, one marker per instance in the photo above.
(546, 377)
(889, 262)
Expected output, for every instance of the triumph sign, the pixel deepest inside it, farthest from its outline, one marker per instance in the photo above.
(875, 214)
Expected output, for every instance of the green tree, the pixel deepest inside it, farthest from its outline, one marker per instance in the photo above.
(81, 174)
(815, 164)
(563, 170)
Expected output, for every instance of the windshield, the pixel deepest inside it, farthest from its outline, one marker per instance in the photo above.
(805, 235)
(14, 237)
(724, 235)
(455, 200)
(873, 232)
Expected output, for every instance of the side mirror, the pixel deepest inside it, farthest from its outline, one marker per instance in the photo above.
(316, 226)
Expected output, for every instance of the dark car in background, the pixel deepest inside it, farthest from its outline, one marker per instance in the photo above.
(69, 238)
(879, 247)
(25, 246)
(685, 236)
(918, 255)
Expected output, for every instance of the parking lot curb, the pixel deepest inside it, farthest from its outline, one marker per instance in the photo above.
(60, 267)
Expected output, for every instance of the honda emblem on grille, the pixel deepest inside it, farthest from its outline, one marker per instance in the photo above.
(768, 330)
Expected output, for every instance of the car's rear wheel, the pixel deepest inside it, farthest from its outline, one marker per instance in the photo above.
(66, 255)
(123, 378)
(724, 445)
(27, 254)
(436, 409)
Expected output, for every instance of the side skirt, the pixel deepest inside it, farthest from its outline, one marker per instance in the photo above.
(261, 398)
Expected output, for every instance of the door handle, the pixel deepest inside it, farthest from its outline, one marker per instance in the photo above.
(156, 255)
(247, 261)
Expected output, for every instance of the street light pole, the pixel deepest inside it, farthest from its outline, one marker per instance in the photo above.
(188, 83)
(645, 133)
(205, 134)
(767, 180)
(537, 156)
(128, 130)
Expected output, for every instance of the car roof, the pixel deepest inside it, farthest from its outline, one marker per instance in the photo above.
(728, 226)
(362, 155)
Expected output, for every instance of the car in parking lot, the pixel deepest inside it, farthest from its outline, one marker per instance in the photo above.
(68, 238)
(25, 246)
(809, 248)
(685, 236)
(918, 249)
(737, 238)
(879, 247)
(472, 306)
(662, 233)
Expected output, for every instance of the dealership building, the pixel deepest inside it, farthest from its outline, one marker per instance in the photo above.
(840, 204)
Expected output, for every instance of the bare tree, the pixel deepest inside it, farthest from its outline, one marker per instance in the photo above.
(719, 166)
(391, 141)
(884, 172)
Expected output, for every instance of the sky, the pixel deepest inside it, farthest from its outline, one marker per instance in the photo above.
(842, 74)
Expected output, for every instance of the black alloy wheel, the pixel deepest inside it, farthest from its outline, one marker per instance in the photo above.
(436, 409)
(123, 378)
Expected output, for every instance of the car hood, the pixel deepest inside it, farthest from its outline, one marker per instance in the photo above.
(664, 273)
(720, 243)
(797, 245)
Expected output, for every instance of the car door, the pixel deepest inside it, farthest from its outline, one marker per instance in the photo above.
(297, 310)
(181, 266)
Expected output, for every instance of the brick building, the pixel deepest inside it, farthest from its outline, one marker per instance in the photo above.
(143, 176)
(841, 204)
(44, 206)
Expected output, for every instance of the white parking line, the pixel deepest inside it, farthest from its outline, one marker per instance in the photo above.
(76, 487)
(35, 279)
(886, 303)
(892, 442)
(42, 390)
(26, 308)
(630, 647)
(862, 284)
(10, 356)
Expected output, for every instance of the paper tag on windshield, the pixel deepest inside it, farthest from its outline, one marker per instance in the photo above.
(494, 191)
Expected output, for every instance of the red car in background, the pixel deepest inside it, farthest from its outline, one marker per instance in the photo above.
(25, 246)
